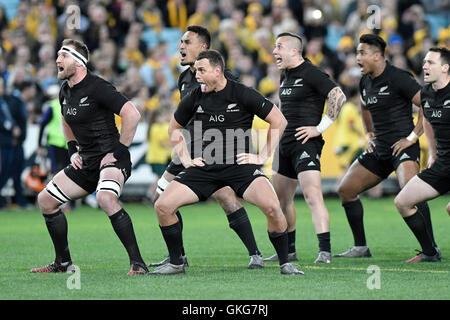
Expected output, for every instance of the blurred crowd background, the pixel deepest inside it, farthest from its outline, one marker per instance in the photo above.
(133, 44)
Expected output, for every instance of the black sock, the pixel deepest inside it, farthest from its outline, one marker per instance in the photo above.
(355, 212)
(239, 222)
(57, 227)
(280, 242)
(324, 241)
(172, 237)
(416, 223)
(291, 241)
(123, 227)
(178, 214)
(424, 210)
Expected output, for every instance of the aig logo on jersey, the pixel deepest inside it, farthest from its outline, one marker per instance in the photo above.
(286, 92)
(372, 100)
(217, 118)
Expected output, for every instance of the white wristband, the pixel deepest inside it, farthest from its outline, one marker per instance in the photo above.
(412, 136)
(324, 124)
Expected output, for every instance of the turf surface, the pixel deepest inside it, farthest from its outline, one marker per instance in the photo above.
(218, 259)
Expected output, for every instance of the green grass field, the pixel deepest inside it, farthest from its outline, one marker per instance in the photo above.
(218, 259)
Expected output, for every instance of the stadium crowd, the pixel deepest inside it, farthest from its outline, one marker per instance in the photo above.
(134, 45)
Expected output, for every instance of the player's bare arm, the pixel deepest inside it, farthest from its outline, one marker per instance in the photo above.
(336, 99)
(180, 146)
(75, 158)
(429, 134)
(277, 124)
(368, 127)
(406, 142)
(130, 119)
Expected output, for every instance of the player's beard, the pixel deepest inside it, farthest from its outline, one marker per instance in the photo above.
(68, 72)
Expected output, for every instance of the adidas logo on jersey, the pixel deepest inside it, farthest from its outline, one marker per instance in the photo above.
(304, 155)
(311, 164)
(404, 156)
(64, 101)
(426, 105)
(182, 87)
(382, 91)
(200, 109)
(258, 173)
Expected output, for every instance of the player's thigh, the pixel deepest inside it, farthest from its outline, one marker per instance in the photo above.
(168, 176)
(405, 171)
(59, 190)
(415, 191)
(175, 196)
(227, 199)
(284, 187)
(356, 180)
(311, 184)
(261, 193)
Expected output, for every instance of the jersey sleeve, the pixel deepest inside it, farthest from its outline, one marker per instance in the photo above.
(320, 81)
(405, 84)
(254, 101)
(108, 97)
(186, 108)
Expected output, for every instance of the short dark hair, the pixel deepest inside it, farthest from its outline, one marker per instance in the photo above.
(214, 57)
(374, 40)
(445, 54)
(202, 33)
(290, 34)
(80, 47)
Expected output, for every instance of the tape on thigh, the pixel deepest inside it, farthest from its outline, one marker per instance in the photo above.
(162, 185)
(57, 194)
(110, 185)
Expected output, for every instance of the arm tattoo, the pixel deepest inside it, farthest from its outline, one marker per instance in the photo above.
(336, 99)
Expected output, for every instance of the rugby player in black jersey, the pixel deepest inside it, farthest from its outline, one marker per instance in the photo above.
(434, 180)
(303, 91)
(193, 41)
(224, 110)
(387, 95)
(99, 155)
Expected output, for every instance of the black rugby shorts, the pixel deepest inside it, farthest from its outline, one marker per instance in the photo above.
(383, 164)
(88, 176)
(437, 176)
(204, 181)
(290, 161)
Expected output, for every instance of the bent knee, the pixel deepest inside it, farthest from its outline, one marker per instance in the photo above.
(46, 202)
(106, 199)
(401, 203)
(272, 209)
(313, 196)
(162, 208)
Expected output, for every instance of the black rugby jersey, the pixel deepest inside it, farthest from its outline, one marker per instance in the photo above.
(226, 119)
(186, 83)
(303, 91)
(88, 108)
(388, 98)
(436, 109)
